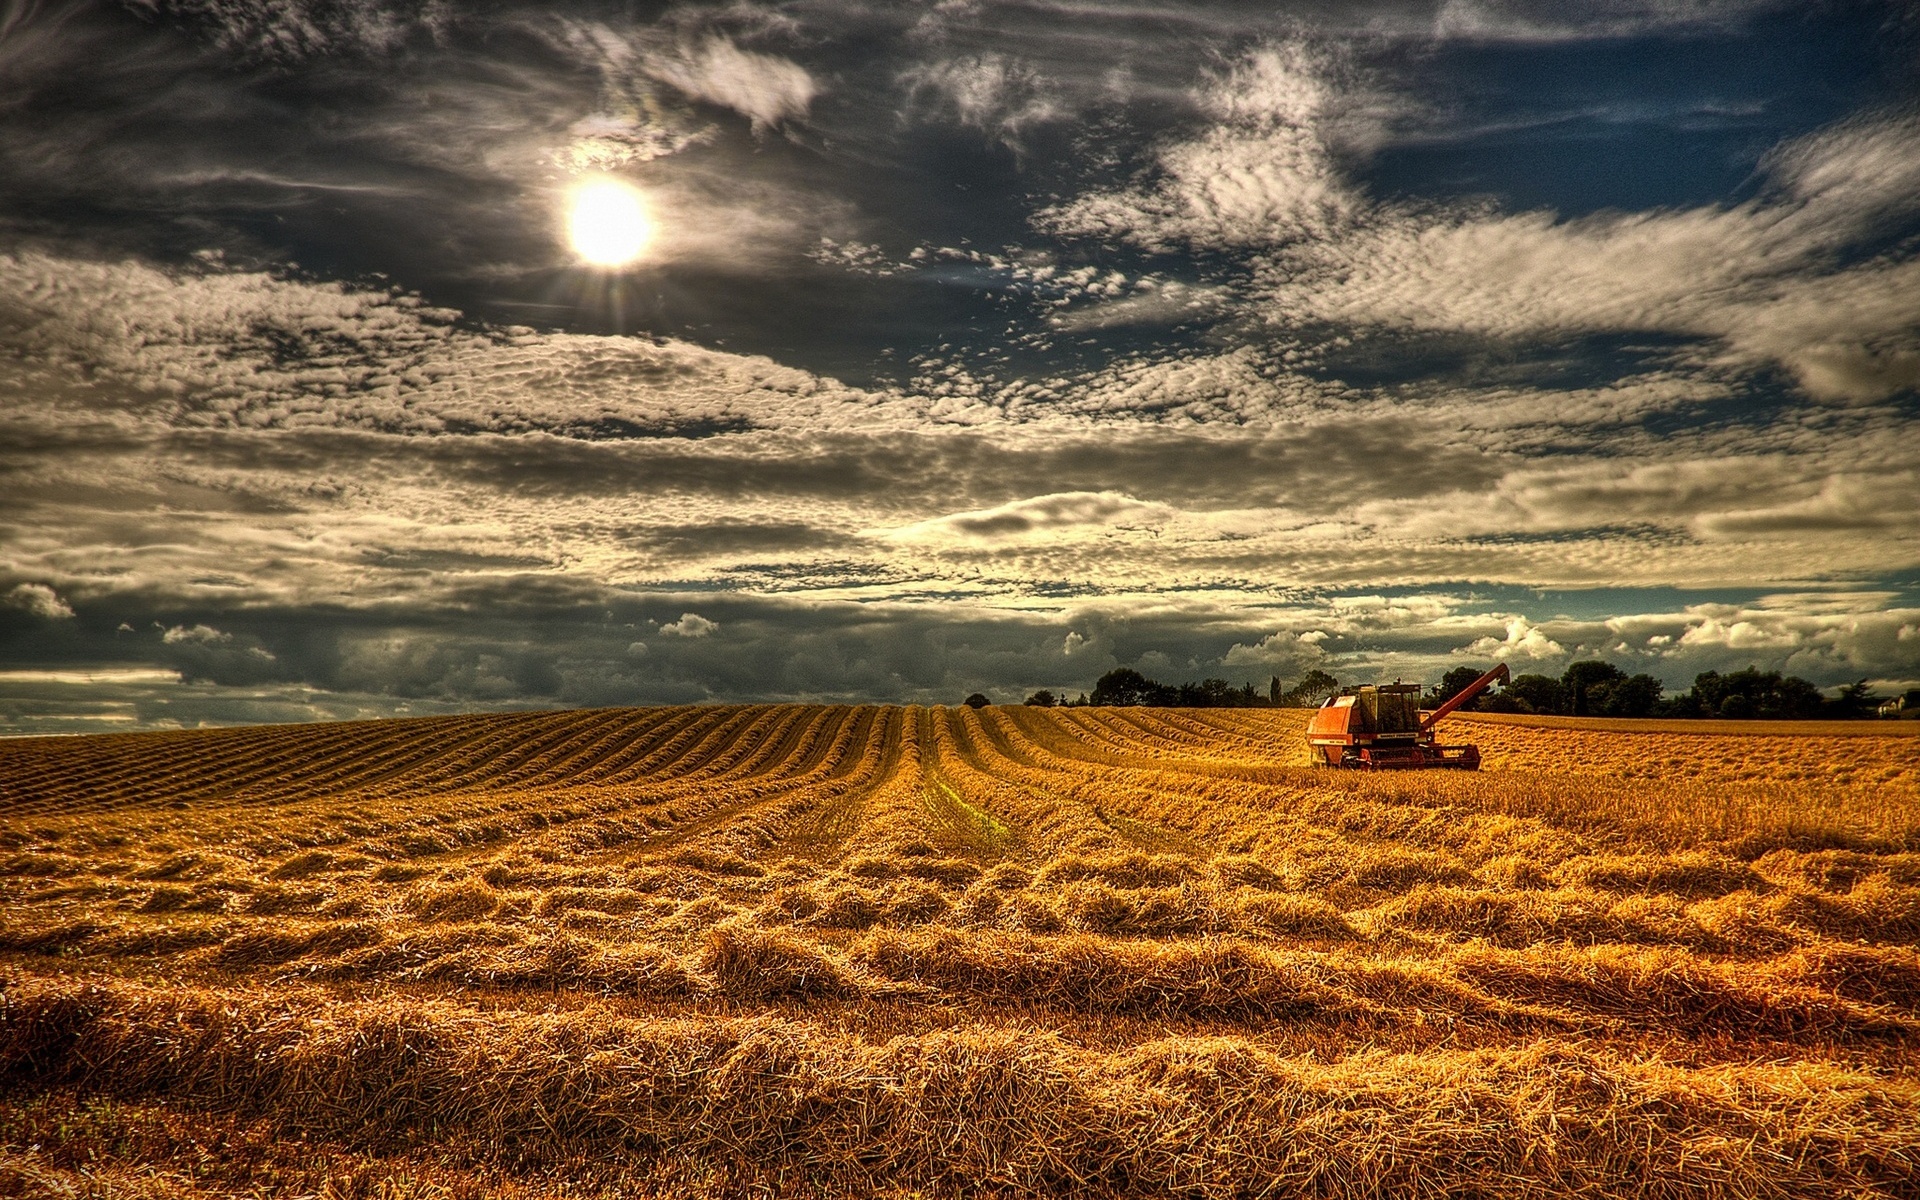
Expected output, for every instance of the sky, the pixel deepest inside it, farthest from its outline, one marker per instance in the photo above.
(973, 346)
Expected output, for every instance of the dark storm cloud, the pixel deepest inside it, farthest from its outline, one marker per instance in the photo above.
(518, 640)
(523, 638)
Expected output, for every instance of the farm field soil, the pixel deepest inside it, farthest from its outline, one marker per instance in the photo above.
(799, 951)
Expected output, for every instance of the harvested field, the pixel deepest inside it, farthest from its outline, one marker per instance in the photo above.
(790, 950)
(1792, 729)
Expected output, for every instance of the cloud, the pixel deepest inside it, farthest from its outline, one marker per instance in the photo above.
(1758, 278)
(1260, 174)
(607, 142)
(1373, 613)
(990, 92)
(39, 600)
(202, 635)
(1852, 337)
(1774, 279)
(1547, 21)
(1738, 635)
(1315, 420)
(240, 349)
(1523, 639)
(765, 88)
(1167, 304)
(530, 640)
(1061, 512)
(690, 625)
(1281, 652)
(1843, 502)
(88, 678)
(1826, 636)
(291, 30)
(1295, 496)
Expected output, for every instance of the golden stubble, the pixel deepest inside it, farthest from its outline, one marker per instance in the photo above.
(806, 950)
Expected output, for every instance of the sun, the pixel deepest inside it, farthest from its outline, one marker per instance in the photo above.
(607, 223)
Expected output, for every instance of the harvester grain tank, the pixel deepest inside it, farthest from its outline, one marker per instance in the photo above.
(1382, 728)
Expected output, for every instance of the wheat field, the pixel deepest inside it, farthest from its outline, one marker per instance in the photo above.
(835, 951)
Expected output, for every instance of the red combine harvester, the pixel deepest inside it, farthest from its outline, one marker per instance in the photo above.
(1382, 728)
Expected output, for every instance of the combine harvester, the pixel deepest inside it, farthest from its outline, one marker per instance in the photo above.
(1382, 728)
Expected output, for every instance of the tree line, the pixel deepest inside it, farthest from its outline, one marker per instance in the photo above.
(1599, 689)
(1125, 686)
(1590, 688)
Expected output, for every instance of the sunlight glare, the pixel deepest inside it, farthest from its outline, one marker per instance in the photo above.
(608, 223)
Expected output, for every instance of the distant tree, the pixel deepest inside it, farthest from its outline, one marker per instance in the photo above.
(1537, 694)
(1756, 694)
(1082, 702)
(1634, 696)
(1793, 699)
(1041, 699)
(977, 701)
(1682, 706)
(1709, 692)
(1210, 693)
(1854, 700)
(1453, 683)
(1273, 690)
(1313, 687)
(1581, 678)
(1124, 685)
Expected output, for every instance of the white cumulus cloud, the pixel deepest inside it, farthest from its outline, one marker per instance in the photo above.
(1524, 639)
(690, 625)
(1279, 651)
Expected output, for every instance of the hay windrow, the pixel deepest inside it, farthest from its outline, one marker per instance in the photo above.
(1019, 1110)
(788, 951)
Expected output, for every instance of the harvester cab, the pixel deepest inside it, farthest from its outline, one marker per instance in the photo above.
(1383, 728)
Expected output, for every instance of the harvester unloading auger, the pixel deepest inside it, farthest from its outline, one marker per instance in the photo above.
(1382, 728)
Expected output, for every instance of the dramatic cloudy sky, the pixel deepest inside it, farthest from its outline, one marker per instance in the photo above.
(980, 345)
